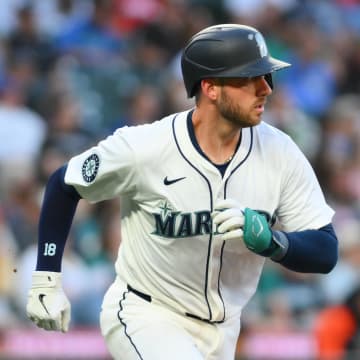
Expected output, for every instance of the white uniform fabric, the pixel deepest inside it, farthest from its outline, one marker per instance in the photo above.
(168, 189)
(136, 329)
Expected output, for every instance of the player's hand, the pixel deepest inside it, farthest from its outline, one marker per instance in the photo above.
(236, 222)
(48, 306)
(228, 216)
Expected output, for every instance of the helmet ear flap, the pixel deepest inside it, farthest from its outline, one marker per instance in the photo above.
(269, 80)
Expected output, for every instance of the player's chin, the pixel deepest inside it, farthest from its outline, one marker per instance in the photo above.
(257, 117)
(252, 119)
(255, 120)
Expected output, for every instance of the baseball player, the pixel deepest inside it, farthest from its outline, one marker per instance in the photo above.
(200, 191)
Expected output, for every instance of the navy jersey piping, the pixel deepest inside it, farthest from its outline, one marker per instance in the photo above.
(225, 188)
(125, 325)
(211, 208)
(241, 162)
(220, 268)
(221, 167)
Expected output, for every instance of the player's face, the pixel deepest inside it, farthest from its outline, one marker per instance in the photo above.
(242, 101)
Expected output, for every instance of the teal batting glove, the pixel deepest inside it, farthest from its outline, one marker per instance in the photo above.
(259, 238)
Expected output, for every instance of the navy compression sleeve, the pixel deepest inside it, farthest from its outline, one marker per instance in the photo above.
(56, 216)
(311, 251)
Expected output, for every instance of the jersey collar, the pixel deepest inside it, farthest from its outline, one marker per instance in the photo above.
(192, 152)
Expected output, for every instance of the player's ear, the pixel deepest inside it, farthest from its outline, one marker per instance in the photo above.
(210, 88)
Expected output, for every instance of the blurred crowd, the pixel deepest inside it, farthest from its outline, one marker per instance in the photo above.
(72, 71)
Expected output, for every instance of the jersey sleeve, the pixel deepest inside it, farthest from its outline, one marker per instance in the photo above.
(104, 171)
(302, 202)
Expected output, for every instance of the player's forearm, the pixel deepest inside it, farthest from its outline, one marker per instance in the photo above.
(57, 212)
(311, 251)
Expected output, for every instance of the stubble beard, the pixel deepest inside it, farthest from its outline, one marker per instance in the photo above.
(232, 112)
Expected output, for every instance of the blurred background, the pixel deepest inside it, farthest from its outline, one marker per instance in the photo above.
(72, 71)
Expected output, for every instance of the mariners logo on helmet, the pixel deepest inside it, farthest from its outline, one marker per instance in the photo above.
(90, 168)
(260, 43)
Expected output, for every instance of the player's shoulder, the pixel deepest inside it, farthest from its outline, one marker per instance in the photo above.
(276, 142)
(267, 133)
(158, 131)
(267, 129)
(147, 141)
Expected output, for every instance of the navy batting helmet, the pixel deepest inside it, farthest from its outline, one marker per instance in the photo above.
(226, 51)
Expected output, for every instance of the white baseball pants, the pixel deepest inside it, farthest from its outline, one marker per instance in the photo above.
(136, 328)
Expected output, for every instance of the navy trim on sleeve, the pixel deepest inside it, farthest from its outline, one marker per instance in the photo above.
(311, 251)
(56, 216)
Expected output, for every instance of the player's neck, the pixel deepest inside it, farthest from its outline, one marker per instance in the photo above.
(217, 139)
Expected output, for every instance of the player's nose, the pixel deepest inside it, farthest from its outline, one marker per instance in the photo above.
(262, 87)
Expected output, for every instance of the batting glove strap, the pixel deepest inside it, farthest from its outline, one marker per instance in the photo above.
(282, 245)
(47, 279)
(261, 239)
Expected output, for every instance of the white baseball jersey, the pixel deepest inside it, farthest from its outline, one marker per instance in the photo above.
(169, 248)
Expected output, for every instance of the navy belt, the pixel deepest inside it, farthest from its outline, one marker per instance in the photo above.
(139, 293)
(205, 320)
(147, 298)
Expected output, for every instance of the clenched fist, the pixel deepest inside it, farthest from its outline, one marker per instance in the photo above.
(48, 306)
